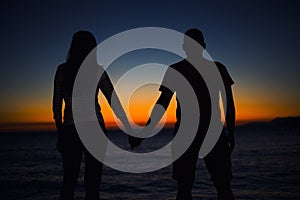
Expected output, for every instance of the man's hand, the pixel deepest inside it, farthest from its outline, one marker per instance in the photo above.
(134, 141)
(231, 143)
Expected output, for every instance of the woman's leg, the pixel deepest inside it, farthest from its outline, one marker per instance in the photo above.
(71, 159)
(92, 177)
(93, 172)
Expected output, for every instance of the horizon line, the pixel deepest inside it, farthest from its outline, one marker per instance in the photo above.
(50, 126)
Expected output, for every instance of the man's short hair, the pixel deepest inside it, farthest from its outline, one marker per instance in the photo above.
(196, 35)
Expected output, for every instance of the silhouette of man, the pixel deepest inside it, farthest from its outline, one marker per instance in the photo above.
(69, 143)
(218, 161)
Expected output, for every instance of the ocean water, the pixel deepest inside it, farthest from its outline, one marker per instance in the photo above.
(266, 165)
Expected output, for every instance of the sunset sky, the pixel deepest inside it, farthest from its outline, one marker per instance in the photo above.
(258, 42)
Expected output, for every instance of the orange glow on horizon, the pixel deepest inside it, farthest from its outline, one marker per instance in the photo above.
(139, 111)
(249, 108)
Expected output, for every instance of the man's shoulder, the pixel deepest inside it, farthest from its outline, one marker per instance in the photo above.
(179, 64)
(219, 64)
(224, 73)
(221, 67)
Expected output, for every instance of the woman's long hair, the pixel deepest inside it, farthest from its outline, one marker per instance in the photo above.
(83, 42)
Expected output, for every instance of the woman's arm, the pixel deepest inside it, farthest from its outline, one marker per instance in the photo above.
(107, 89)
(57, 98)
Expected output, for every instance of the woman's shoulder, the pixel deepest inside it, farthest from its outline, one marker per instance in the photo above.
(60, 67)
(59, 70)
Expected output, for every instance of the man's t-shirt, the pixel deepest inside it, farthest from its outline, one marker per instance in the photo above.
(194, 78)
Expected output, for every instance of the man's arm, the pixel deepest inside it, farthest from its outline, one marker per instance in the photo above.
(230, 117)
(160, 107)
(157, 112)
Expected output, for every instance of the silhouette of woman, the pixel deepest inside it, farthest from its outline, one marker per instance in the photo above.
(69, 143)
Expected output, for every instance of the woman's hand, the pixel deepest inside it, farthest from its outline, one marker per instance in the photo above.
(59, 142)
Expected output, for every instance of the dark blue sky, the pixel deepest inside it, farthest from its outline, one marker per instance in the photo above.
(258, 41)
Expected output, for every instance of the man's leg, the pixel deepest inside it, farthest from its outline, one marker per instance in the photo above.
(184, 172)
(218, 163)
(184, 190)
(224, 190)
